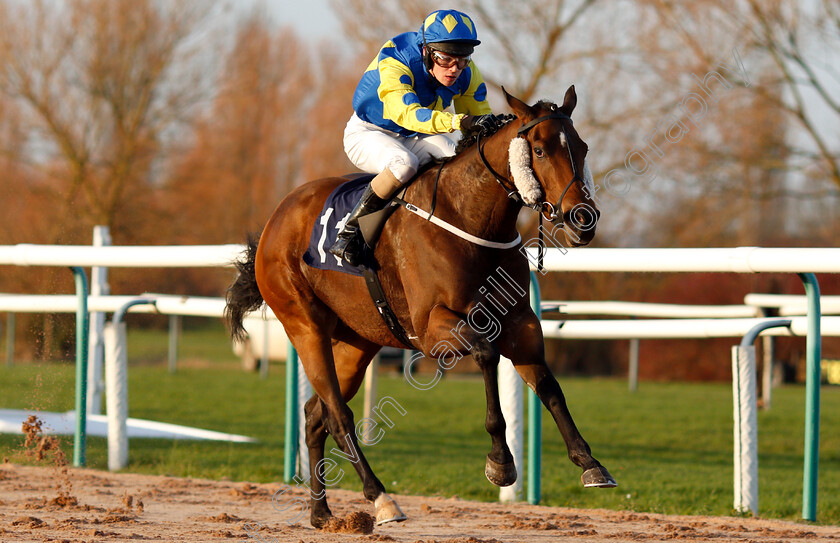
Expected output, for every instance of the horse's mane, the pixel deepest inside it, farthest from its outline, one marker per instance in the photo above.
(468, 141)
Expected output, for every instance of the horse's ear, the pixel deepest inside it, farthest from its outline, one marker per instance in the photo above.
(569, 101)
(520, 108)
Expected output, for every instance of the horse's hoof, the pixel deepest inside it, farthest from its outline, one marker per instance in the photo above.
(319, 521)
(387, 510)
(598, 477)
(500, 474)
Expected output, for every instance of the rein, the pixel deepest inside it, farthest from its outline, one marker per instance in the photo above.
(430, 216)
(510, 189)
(504, 182)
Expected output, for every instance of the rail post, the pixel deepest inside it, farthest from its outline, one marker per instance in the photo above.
(290, 455)
(174, 335)
(745, 417)
(80, 437)
(96, 319)
(813, 345)
(116, 384)
(534, 419)
(10, 339)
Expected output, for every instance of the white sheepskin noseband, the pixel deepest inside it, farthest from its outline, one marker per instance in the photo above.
(520, 169)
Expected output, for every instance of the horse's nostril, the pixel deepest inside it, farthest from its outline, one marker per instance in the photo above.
(584, 218)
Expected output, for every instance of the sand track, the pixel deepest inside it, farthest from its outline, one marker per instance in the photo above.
(130, 507)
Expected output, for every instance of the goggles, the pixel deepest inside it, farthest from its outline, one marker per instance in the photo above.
(447, 61)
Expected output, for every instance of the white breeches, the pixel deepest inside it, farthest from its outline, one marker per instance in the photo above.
(372, 149)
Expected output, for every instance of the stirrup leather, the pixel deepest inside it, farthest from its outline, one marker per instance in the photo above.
(348, 244)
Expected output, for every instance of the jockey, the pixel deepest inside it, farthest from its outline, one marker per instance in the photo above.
(399, 122)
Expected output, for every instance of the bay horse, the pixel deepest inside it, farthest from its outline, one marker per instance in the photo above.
(432, 280)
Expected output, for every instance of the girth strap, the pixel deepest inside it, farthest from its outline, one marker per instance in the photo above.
(378, 295)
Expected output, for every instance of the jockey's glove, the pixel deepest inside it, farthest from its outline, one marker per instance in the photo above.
(483, 124)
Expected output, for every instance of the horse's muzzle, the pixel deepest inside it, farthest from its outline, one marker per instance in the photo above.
(579, 225)
(583, 218)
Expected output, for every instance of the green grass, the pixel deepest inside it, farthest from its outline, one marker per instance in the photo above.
(669, 445)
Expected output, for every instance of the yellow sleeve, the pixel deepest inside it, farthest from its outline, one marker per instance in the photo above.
(401, 105)
(474, 100)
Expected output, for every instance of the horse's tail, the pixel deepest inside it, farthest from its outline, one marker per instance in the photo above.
(243, 295)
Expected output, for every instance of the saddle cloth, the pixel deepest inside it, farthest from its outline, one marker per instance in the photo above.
(330, 221)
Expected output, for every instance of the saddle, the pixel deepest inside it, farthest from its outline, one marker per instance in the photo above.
(337, 208)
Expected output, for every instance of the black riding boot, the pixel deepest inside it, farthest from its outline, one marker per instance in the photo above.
(349, 243)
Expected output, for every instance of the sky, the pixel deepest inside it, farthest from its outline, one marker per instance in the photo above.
(311, 18)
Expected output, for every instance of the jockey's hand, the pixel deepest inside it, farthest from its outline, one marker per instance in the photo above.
(482, 124)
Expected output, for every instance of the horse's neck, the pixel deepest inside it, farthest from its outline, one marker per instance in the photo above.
(470, 197)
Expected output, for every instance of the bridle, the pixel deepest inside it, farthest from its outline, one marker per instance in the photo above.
(546, 209)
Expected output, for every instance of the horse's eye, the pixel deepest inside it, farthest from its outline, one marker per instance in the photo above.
(539, 152)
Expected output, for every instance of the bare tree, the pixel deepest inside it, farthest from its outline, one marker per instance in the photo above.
(323, 152)
(530, 42)
(101, 83)
(369, 24)
(246, 154)
(802, 40)
(768, 150)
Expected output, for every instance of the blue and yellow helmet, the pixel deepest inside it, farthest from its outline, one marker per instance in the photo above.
(450, 31)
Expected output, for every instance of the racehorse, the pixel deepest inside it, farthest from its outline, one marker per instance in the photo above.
(433, 281)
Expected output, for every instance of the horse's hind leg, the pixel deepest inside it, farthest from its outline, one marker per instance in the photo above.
(316, 437)
(387, 509)
(350, 360)
(352, 354)
(310, 325)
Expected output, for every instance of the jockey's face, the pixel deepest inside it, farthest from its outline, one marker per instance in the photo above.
(447, 76)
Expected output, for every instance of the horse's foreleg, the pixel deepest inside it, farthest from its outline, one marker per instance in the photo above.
(499, 467)
(529, 360)
(443, 324)
(551, 395)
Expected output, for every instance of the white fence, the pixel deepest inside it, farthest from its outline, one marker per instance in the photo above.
(163, 256)
(678, 328)
(728, 259)
(802, 261)
(738, 260)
